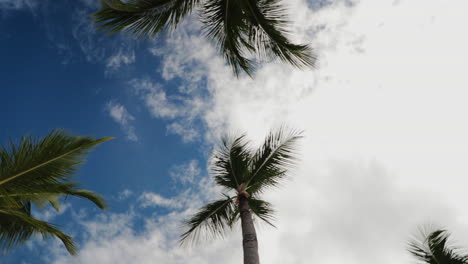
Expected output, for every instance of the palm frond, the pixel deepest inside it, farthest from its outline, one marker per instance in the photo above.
(268, 19)
(90, 196)
(50, 196)
(39, 171)
(245, 27)
(433, 249)
(262, 210)
(240, 28)
(211, 220)
(53, 158)
(225, 23)
(272, 160)
(235, 216)
(43, 200)
(18, 226)
(143, 18)
(230, 162)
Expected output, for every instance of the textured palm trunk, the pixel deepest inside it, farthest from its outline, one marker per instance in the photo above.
(249, 236)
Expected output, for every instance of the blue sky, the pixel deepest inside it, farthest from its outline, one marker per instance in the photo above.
(384, 115)
(51, 82)
(45, 89)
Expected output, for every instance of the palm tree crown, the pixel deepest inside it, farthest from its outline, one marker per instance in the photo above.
(245, 174)
(38, 171)
(433, 249)
(240, 28)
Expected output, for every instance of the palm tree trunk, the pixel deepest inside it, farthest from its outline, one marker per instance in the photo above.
(249, 236)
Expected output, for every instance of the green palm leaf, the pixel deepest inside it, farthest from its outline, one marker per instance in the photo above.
(225, 23)
(241, 29)
(268, 33)
(212, 219)
(39, 171)
(230, 162)
(17, 226)
(144, 17)
(273, 159)
(433, 249)
(262, 210)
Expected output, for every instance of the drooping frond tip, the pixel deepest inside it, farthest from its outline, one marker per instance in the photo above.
(210, 221)
(249, 28)
(18, 227)
(90, 196)
(433, 248)
(263, 210)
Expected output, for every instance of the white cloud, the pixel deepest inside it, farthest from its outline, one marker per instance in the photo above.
(120, 115)
(385, 147)
(154, 245)
(188, 199)
(156, 239)
(186, 172)
(156, 99)
(184, 109)
(95, 45)
(329, 213)
(154, 199)
(188, 134)
(125, 194)
(115, 61)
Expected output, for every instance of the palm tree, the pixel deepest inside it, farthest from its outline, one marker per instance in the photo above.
(433, 249)
(38, 172)
(245, 174)
(240, 28)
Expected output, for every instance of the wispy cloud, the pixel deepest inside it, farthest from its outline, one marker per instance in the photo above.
(87, 37)
(187, 132)
(77, 38)
(119, 59)
(124, 194)
(94, 45)
(120, 115)
(153, 199)
(157, 100)
(183, 109)
(185, 173)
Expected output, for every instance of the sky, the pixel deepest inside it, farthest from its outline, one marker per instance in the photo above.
(384, 114)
